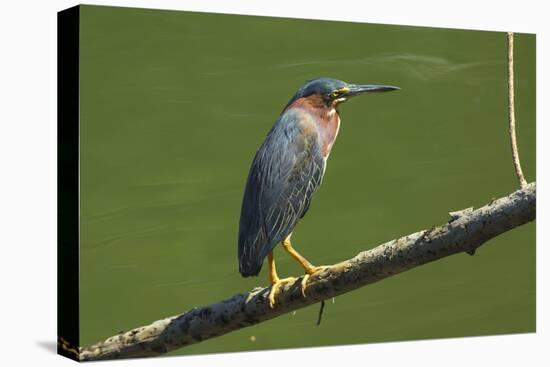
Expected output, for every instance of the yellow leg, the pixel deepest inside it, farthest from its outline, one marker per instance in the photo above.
(308, 268)
(274, 279)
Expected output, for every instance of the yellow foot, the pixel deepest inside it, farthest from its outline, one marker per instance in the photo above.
(275, 287)
(310, 272)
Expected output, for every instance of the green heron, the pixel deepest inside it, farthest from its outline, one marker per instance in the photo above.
(287, 170)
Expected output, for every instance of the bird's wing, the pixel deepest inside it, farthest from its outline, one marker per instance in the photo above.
(286, 172)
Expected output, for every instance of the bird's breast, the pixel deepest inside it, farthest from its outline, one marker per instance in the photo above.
(323, 125)
(329, 131)
(316, 118)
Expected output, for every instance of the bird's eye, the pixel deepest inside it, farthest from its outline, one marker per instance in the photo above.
(334, 94)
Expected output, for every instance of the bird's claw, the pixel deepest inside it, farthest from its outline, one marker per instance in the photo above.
(309, 273)
(277, 283)
(304, 284)
(275, 287)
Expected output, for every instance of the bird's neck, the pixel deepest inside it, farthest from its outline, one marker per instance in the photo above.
(328, 131)
(326, 118)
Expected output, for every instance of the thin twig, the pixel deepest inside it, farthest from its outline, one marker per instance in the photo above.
(511, 112)
(321, 312)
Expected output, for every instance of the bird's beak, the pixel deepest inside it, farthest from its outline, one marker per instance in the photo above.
(355, 90)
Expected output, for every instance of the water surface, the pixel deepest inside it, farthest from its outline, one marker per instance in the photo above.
(174, 106)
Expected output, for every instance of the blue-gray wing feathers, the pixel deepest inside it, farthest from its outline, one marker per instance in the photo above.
(286, 172)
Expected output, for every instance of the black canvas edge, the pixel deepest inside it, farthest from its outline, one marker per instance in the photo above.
(68, 208)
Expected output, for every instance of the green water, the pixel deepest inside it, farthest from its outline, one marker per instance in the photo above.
(173, 108)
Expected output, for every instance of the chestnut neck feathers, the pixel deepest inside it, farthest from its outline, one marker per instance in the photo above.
(325, 117)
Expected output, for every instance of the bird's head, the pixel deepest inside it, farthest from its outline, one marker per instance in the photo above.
(334, 91)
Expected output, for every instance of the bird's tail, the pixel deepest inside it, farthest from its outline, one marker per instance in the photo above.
(252, 247)
(249, 266)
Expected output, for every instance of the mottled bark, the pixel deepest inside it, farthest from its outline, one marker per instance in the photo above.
(465, 232)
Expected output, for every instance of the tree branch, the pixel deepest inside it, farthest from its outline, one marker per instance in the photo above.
(511, 112)
(465, 232)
